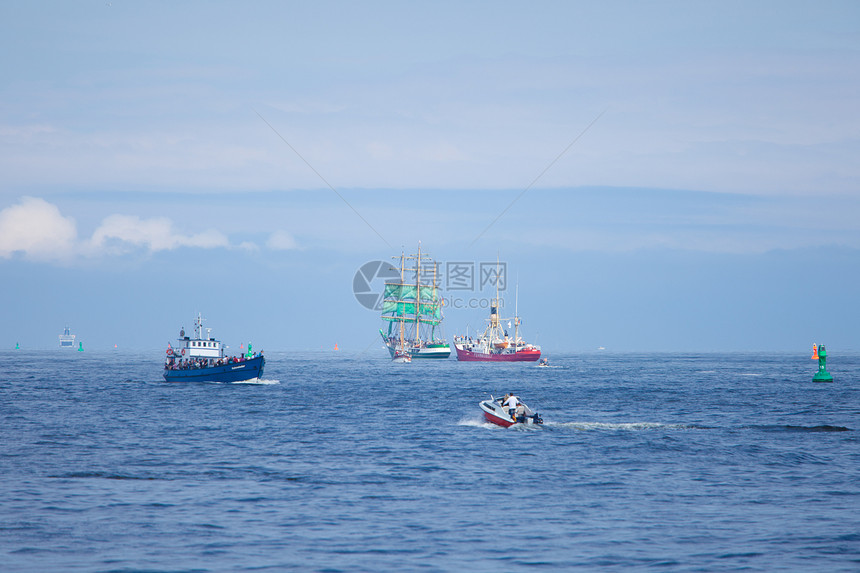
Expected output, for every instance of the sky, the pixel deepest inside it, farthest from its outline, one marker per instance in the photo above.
(676, 176)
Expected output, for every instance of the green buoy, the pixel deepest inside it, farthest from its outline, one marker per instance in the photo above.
(80, 346)
(822, 375)
(17, 347)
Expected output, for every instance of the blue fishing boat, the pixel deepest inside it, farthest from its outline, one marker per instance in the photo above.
(203, 359)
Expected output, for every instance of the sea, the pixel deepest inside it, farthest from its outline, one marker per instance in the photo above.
(338, 462)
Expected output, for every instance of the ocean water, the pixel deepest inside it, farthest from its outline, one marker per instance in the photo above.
(692, 462)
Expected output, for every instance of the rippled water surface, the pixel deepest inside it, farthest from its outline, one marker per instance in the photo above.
(646, 462)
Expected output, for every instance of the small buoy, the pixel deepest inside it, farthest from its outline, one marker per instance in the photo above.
(80, 346)
(822, 375)
(815, 352)
(17, 347)
(335, 345)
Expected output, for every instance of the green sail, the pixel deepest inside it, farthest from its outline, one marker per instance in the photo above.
(400, 301)
(395, 291)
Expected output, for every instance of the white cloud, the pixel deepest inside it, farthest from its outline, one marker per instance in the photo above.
(249, 246)
(37, 229)
(117, 232)
(281, 241)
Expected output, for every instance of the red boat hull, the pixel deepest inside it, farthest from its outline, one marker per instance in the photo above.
(498, 421)
(530, 355)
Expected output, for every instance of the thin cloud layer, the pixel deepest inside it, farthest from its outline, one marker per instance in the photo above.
(280, 240)
(117, 232)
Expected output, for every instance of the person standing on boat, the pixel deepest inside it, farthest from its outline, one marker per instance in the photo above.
(510, 403)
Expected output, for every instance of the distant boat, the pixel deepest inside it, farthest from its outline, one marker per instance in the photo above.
(67, 339)
(415, 306)
(202, 359)
(401, 357)
(495, 344)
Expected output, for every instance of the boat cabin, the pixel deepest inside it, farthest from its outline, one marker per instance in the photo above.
(200, 346)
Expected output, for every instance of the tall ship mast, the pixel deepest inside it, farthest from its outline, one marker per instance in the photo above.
(412, 307)
(495, 344)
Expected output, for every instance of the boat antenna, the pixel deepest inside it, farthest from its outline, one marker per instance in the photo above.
(516, 312)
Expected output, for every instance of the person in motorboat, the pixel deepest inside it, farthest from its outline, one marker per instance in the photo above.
(496, 411)
(520, 416)
(511, 403)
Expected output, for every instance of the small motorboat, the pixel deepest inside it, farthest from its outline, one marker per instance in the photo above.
(401, 357)
(496, 413)
(544, 363)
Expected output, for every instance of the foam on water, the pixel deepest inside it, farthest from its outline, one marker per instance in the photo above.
(262, 381)
(476, 422)
(626, 426)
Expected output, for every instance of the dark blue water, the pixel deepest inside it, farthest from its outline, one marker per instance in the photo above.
(646, 462)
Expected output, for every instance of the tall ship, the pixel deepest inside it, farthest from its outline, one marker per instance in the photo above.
(495, 344)
(67, 339)
(412, 307)
(202, 358)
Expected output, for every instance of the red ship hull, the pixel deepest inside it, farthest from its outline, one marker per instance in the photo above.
(498, 421)
(525, 355)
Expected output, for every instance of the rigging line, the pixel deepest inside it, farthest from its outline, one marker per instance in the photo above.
(535, 180)
(322, 178)
(360, 354)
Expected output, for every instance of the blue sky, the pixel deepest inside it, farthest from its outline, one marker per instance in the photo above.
(670, 176)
